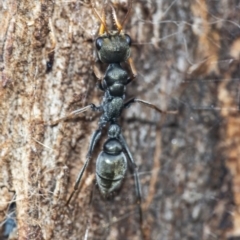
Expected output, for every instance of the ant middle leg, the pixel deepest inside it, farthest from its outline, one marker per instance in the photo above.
(148, 104)
(74, 113)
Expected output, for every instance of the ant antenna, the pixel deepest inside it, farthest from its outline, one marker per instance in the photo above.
(102, 20)
(103, 27)
(118, 24)
(128, 13)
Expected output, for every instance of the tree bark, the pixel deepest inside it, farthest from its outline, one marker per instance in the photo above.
(187, 57)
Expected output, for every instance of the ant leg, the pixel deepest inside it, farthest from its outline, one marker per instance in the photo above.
(95, 137)
(129, 79)
(97, 72)
(132, 67)
(74, 113)
(134, 100)
(136, 175)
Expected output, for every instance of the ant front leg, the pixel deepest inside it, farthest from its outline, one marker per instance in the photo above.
(132, 67)
(130, 79)
(148, 104)
(97, 71)
(95, 137)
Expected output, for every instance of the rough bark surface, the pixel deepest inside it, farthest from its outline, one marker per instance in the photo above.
(187, 57)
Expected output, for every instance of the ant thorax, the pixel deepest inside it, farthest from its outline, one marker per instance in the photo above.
(115, 80)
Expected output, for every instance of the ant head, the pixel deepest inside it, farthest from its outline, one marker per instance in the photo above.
(113, 46)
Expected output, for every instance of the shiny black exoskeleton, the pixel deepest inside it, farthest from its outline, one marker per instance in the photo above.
(111, 163)
(114, 86)
(112, 48)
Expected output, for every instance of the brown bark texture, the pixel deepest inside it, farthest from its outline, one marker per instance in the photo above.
(187, 55)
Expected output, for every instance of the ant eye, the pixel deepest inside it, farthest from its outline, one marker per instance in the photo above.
(99, 42)
(128, 39)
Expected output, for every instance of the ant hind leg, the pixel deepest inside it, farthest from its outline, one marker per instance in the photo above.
(95, 137)
(136, 175)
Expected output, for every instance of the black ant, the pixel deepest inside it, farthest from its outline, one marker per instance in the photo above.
(113, 48)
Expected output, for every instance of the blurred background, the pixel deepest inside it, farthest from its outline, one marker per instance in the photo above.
(187, 57)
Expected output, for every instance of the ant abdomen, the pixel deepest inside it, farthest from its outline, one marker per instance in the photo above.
(111, 167)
